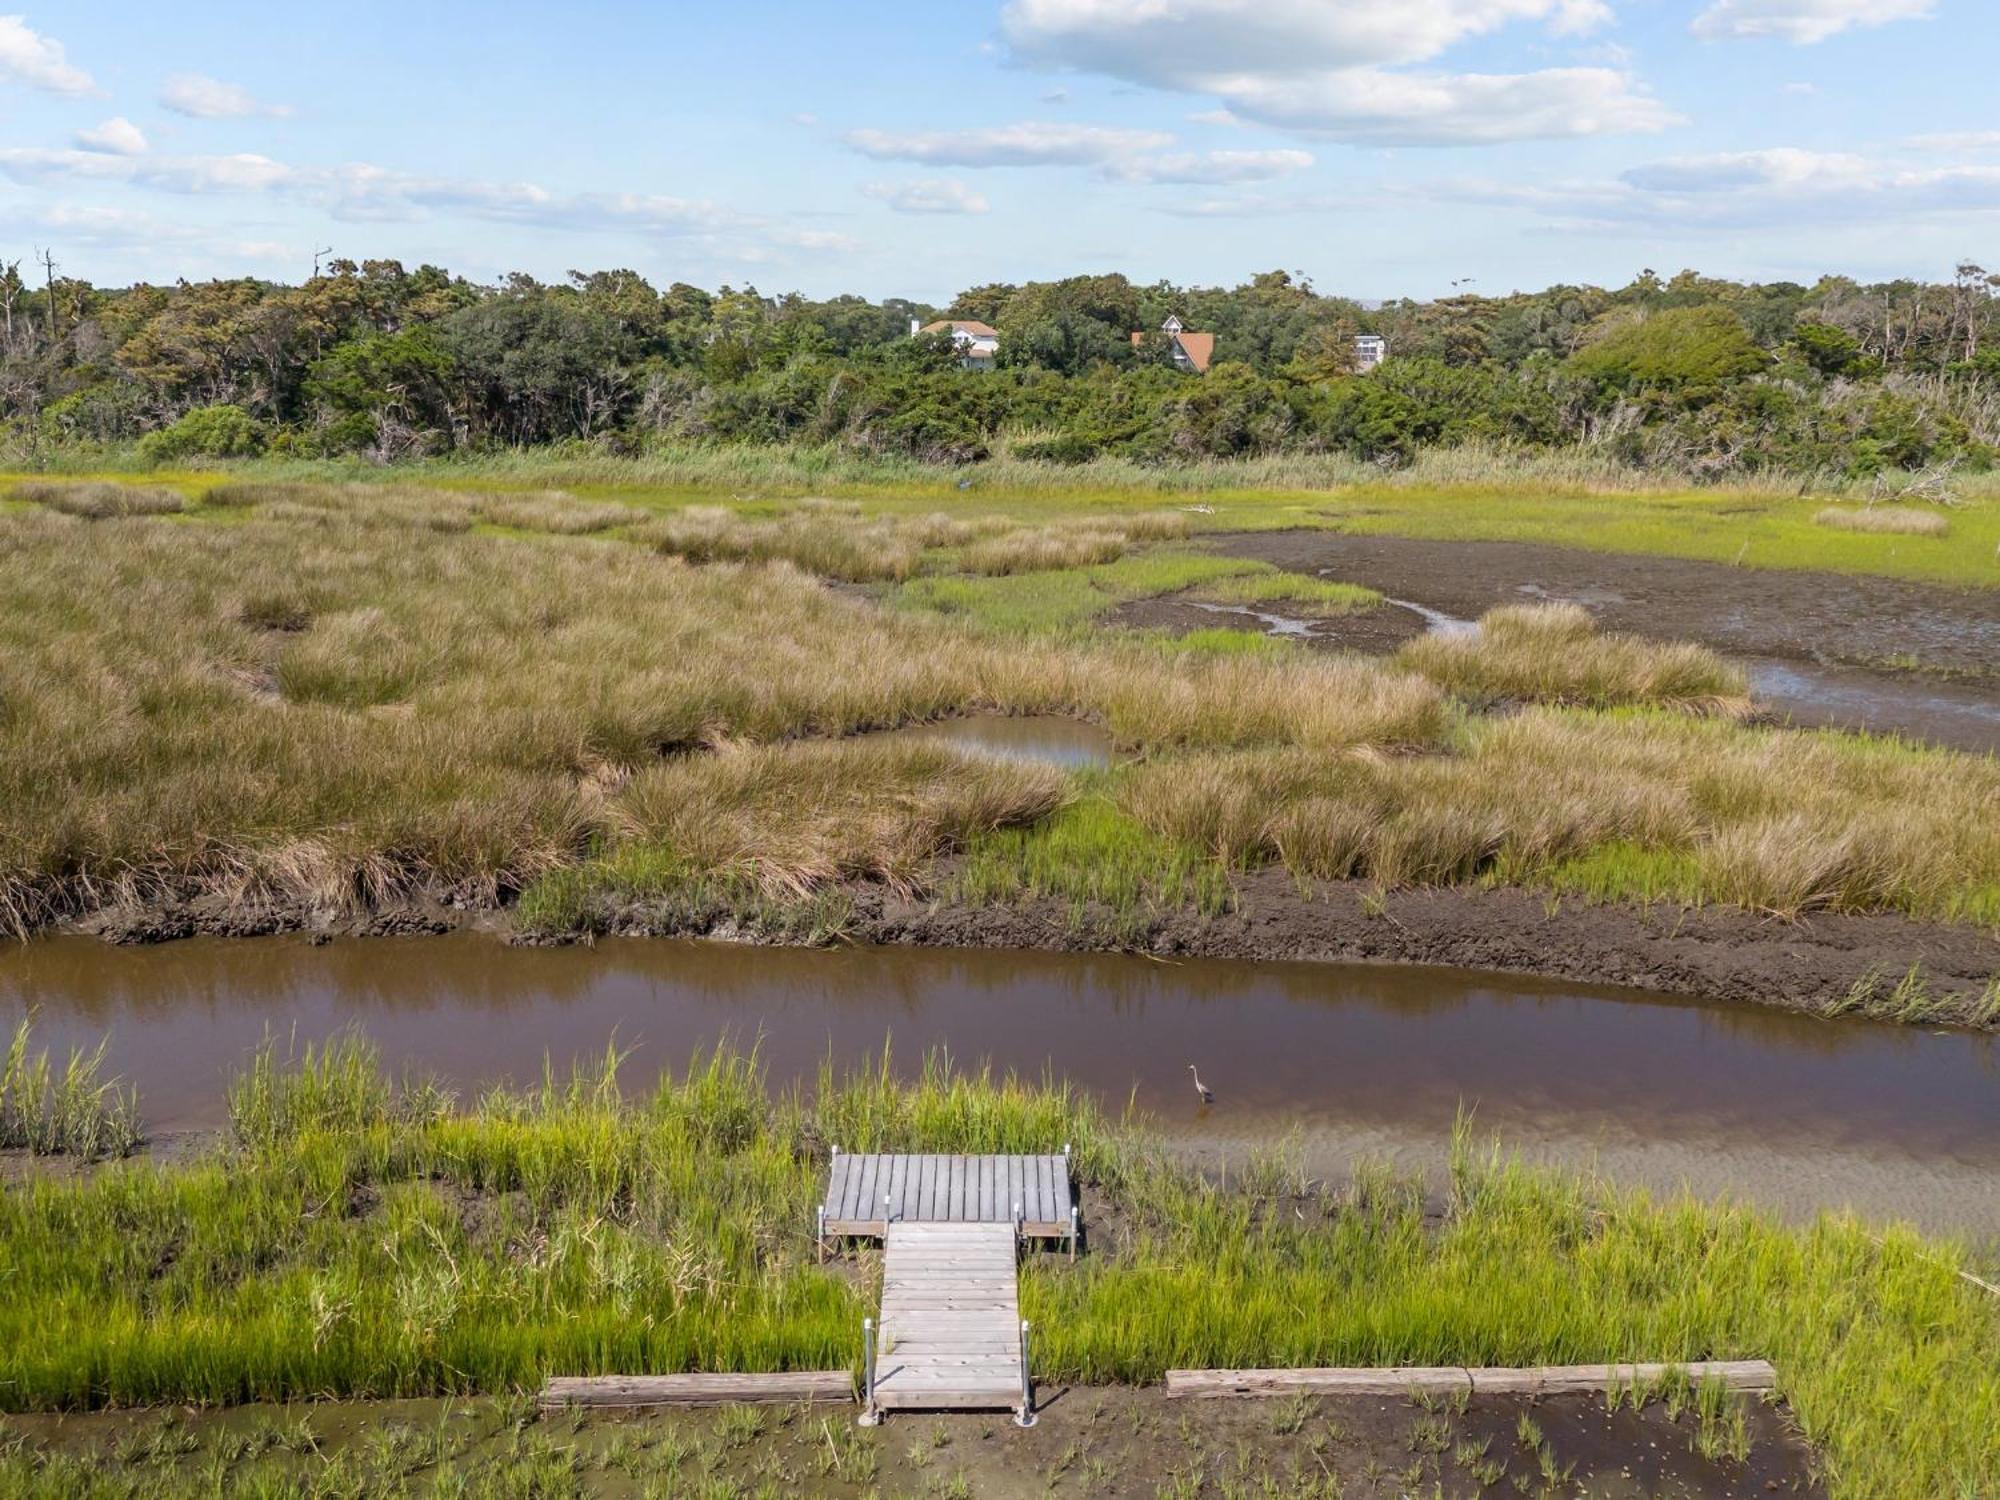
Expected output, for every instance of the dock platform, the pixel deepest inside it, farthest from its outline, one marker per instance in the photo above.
(950, 1337)
(865, 1193)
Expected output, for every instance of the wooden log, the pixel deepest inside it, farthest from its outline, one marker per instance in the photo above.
(1735, 1375)
(697, 1390)
(1330, 1382)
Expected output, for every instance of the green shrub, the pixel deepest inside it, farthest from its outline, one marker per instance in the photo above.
(206, 432)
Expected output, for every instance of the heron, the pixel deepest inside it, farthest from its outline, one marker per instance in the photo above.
(1207, 1094)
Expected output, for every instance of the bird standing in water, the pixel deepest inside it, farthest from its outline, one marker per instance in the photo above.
(1207, 1094)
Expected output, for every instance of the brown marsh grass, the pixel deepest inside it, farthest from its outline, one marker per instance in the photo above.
(347, 697)
(1894, 520)
(101, 500)
(1554, 653)
(1775, 821)
(790, 819)
(350, 695)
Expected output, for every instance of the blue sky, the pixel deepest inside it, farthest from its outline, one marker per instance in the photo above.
(1382, 147)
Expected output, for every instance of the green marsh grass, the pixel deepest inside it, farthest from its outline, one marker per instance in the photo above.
(74, 1112)
(1096, 859)
(354, 1245)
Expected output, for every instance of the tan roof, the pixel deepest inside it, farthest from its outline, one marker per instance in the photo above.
(972, 326)
(1198, 347)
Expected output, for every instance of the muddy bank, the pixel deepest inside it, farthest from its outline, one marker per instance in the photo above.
(1717, 953)
(1101, 1442)
(1825, 617)
(1823, 650)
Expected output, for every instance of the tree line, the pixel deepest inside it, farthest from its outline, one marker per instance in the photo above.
(1693, 374)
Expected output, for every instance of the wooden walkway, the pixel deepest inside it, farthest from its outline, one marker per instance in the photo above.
(951, 1336)
(867, 1193)
(951, 1333)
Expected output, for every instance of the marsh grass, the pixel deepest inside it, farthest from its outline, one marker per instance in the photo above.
(73, 1112)
(362, 1247)
(102, 500)
(1620, 806)
(791, 819)
(1885, 520)
(1554, 653)
(347, 697)
(342, 697)
(1300, 591)
(1108, 869)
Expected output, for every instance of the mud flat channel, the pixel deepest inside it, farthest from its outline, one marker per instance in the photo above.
(1349, 1061)
(1813, 643)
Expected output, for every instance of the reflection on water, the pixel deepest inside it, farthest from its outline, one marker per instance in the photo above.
(1044, 737)
(1906, 703)
(1780, 1107)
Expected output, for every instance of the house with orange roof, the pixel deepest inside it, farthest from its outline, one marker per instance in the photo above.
(1191, 351)
(977, 343)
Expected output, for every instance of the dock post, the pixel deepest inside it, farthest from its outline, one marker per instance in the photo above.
(870, 1415)
(887, 1217)
(1074, 1225)
(819, 1235)
(1025, 1416)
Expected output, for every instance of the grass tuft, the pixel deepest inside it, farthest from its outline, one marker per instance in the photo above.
(1554, 653)
(1885, 520)
(102, 500)
(73, 1113)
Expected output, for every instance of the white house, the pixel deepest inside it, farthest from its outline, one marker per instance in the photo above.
(1370, 349)
(976, 342)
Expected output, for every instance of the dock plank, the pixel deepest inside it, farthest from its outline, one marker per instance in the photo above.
(950, 1306)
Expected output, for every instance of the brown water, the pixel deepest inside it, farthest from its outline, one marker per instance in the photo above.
(1780, 1108)
(1042, 737)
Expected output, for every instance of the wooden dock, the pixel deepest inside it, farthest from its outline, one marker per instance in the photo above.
(866, 1193)
(950, 1336)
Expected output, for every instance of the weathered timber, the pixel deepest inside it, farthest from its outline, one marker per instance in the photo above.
(697, 1390)
(1735, 1375)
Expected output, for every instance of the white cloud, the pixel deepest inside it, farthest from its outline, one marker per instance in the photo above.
(1261, 206)
(1332, 70)
(360, 192)
(26, 56)
(1804, 90)
(118, 136)
(173, 174)
(1802, 22)
(1378, 107)
(1221, 118)
(1955, 140)
(1211, 168)
(1741, 189)
(1024, 145)
(1188, 43)
(936, 195)
(205, 98)
(1782, 168)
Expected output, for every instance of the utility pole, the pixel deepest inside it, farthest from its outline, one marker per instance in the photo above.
(316, 255)
(48, 259)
